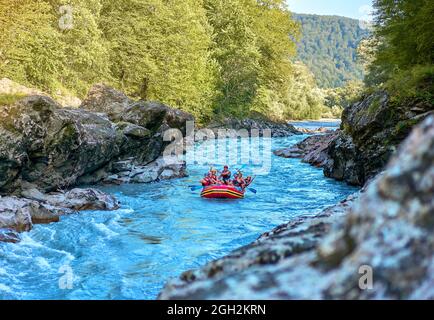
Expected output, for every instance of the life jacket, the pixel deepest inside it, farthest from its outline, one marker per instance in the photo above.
(226, 175)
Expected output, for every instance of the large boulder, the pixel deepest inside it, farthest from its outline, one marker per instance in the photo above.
(371, 130)
(50, 146)
(20, 214)
(386, 235)
(57, 148)
(141, 124)
(104, 99)
(153, 116)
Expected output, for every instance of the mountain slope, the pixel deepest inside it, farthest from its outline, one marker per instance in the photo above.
(328, 47)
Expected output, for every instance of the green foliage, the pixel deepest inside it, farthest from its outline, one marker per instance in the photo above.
(304, 99)
(8, 99)
(29, 43)
(159, 50)
(236, 52)
(374, 106)
(329, 48)
(342, 97)
(207, 57)
(417, 83)
(404, 50)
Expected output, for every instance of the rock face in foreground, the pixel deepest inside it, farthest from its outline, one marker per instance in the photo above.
(370, 132)
(54, 147)
(388, 230)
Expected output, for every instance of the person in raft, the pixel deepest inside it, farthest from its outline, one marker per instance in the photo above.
(210, 179)
(239, 181)
(248, 181)
(206, 181)
(225, 176)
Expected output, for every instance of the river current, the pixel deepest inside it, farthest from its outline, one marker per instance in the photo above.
(161, 230)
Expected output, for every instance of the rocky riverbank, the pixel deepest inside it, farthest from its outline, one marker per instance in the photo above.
(255, 126)
(19, 214)
(312, 150)
(369, 135)
(46, 149)
(371, 131)
(385, 230)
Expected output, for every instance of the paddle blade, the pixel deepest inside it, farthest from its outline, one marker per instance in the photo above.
(195, 188)
(253, 190)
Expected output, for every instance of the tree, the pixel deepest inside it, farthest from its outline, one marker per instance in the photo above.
(30, 46)
(236, 53)
(159, 50)
(403, 62)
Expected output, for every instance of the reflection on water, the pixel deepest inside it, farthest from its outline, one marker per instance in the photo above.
(161, 230)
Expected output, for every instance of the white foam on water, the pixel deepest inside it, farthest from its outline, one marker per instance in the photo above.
(105, 230)
(42, 262)
(5, 288)
(123, 211)
(30, 242)
(27, 240)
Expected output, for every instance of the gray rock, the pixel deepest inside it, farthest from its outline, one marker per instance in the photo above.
(146, 176)
(388, 228)
(57, 148)
(122, 166)
(20, 214)
(371, 130)
(8, 235)
(277, 129)
(102, 98)
(83, 199)
(51, 147)
(313, 150)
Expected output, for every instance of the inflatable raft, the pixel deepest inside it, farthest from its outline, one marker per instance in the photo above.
(222, 192)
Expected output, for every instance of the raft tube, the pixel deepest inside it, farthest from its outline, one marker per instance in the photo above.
(221, 192)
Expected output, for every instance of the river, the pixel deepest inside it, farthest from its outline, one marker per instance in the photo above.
(161, 230)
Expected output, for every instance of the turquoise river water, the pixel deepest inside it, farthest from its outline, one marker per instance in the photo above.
(161, 230)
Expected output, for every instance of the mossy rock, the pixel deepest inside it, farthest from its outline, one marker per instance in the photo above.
(7, 99)
(375, 105)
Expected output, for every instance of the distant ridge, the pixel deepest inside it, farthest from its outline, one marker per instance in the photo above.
(329, 48)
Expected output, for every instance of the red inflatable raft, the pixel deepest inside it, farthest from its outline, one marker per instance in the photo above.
(221, 192)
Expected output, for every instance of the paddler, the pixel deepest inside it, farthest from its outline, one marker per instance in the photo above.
(206, 181)
(239, 181)
(225, 175)
(213, 177)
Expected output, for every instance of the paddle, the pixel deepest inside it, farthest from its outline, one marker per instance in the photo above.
(252, 190)
(195, 188)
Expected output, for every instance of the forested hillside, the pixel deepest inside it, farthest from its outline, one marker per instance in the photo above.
(399, 56)
(209, 57)
(328, 46)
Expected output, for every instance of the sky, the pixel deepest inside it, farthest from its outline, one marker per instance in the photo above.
(357, 9)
